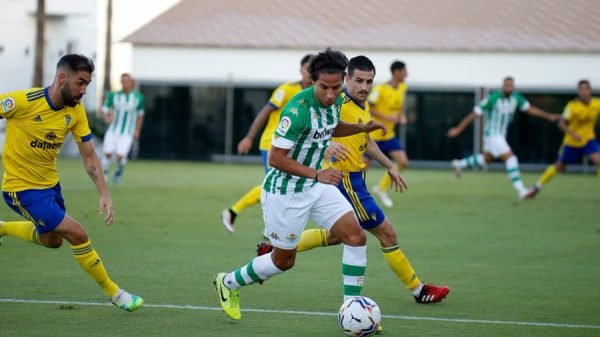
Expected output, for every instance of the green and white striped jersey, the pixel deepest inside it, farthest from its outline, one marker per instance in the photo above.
(126, 108)
(499, 111)
(305, 127)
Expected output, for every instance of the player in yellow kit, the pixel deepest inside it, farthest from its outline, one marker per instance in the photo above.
(270, 114)
(38, 121)
(578, 122)
(387, 107)
(346, 156)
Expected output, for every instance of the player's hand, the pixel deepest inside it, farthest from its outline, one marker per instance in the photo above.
(337, 151)
(554, 117)
(576, 137)
(398, 183)
(453, 132)
(330, 176)
(402, 120)
(136, 135)
(373, 125)
(244, 145)
(107, 206)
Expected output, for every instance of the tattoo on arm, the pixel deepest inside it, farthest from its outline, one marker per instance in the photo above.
(91, 171)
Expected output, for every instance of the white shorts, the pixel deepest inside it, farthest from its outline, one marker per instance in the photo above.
(286, 215)
(115, 143)
(496, 146)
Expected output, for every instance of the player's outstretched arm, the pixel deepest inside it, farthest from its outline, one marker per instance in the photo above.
(398, 182)
(457, 130)
(537, 112)
(259, 121)
(94, 170)
(344, 129)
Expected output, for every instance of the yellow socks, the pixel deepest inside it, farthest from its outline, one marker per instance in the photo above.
(312, 238)
(24, 230)
(249, 199)
(385, 182)
(401, 267)
(89, 260)
(548, 174)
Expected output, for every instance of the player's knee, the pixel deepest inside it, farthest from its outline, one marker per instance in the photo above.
(333, 240)
(561, 167)
(284, 264)
(356, 239)
(52, 241)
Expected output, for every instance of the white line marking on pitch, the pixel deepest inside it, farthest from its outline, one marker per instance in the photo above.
(314, 313)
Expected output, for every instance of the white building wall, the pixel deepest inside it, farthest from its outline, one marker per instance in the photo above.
(426, 69)
(70, 27)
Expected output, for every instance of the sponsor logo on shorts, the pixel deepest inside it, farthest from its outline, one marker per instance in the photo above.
(292, 237)
(7, 104)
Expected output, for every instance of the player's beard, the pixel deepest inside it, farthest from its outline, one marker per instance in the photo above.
(68, 98)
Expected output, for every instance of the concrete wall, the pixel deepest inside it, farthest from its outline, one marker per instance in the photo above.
(427, 69)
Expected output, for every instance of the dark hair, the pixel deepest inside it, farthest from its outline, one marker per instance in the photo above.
(305, 59)
(329, 62)
(76, 62)
(397, 65)
(582, 82)
(508, 78)
(361, 63)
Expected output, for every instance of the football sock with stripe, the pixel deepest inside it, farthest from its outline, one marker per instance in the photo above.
(548, 174)
(24, 230)
(354, 264)
(398, 262)
(512, 168)
(249, 199)
(259, 268)
(89, 261)
(476, 160)
(385, 182)
(312, 238)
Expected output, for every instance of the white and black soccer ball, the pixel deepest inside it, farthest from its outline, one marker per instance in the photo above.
(359, 316)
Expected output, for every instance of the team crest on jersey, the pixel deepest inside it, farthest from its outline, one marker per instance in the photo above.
(67, 119)
(284, 125)
(8, 104)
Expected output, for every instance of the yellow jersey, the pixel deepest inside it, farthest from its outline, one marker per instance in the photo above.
(35, 133)
(582, 120)
(278, 100)
(352, 112)
(388, 101)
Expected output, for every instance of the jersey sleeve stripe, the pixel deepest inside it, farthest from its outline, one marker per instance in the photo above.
(86, 138)
(273, 106)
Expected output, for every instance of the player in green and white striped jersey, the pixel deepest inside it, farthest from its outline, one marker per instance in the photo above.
(498, 108)
(296, 188)
(124, 112)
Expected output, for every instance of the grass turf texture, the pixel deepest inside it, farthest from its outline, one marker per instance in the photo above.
(508, 263)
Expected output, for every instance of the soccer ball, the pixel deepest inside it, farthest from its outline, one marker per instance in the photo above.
(359, 316)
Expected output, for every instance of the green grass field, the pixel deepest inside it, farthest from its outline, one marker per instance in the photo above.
(515, 268)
